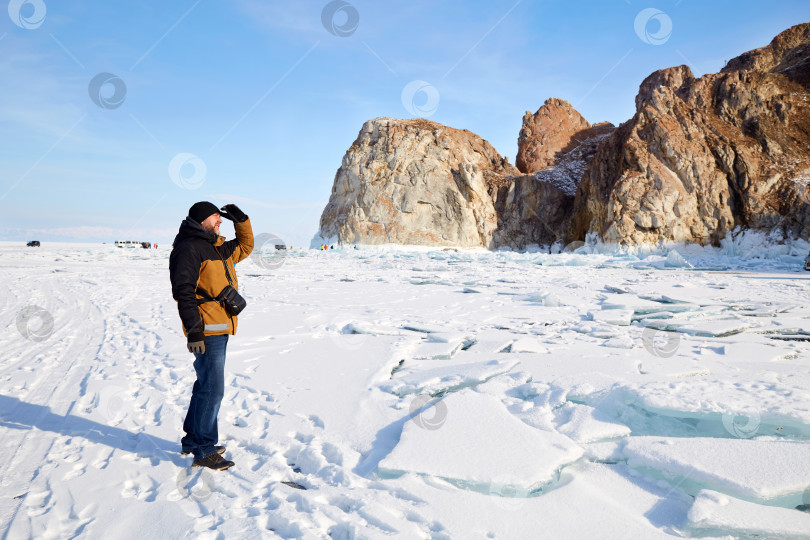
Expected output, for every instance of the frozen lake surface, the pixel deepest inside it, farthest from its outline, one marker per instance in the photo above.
(414, 393)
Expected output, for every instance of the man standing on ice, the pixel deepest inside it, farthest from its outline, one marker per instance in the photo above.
(201, 265)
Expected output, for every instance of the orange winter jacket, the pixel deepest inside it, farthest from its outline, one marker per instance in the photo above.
(196, 262)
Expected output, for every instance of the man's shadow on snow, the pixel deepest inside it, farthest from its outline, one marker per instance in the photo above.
(16, 414)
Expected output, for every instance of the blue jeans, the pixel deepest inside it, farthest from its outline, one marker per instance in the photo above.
(200, 424)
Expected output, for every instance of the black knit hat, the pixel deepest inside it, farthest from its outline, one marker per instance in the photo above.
(200, 211)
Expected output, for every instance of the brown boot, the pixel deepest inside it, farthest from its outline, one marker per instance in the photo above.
(214, 461)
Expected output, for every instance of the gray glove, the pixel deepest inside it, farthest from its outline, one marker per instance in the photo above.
(196, 347)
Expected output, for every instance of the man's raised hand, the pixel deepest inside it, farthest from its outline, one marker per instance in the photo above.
(232, 212)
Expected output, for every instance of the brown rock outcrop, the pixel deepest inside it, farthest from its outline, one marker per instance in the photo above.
(537, 208)
(530, 212)
(700, 157)
(414, 182)
(554, 148)
(553, 131)
(703, 156)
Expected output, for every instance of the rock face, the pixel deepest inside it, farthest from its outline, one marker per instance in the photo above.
(530, 212)
(538, 208)
(699, 158)
(703, 156)
(415, 182)
(555, 146)
(554, 130)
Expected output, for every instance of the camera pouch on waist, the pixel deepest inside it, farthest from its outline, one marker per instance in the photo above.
(231, 300)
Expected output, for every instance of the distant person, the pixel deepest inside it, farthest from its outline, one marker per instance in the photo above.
(201, 266)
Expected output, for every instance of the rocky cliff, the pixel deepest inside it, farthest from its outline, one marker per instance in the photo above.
(555, 147)
(415, 182)
(556, 129)
(702, 156)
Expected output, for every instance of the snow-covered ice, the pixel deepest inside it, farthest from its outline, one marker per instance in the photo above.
(587, 424)
(757, 469)
(714, 513)
(644, 393)
(471, 439)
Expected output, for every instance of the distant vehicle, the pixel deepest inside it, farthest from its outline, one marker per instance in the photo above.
(33, 243)
(129, 243)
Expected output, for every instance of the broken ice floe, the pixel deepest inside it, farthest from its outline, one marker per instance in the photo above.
(616, 289)
(716, 514)
(425, 328)
(767, 309)
(362, 327)
(478, 443)
(697, 407)
(441, 345)
(618, 317)
(545, 299)
(676, 260)
(438, 381)
(586, 424)
(641, 306)
(763, 470)
(528, 345)
(705, 328)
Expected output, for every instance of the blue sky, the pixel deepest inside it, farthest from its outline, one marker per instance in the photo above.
(256, 101)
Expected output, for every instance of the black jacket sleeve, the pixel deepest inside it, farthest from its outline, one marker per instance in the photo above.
(184, 272)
